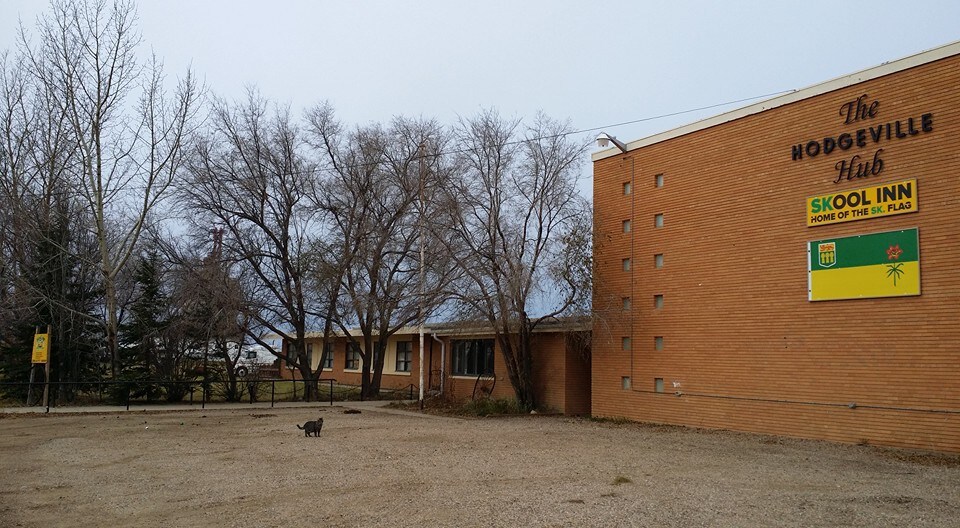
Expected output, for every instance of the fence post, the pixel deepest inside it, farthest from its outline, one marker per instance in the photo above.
(331, 392)
(273, 391)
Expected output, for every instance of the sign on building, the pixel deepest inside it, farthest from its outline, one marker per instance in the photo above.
(857, 204)
(863, 266)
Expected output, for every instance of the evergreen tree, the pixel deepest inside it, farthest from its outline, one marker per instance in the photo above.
(55, 289)
(142, 334)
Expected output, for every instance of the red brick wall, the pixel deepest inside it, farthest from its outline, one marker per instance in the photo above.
(741, 342)
(577, 386)
(561, 377)
(351, 377)
(550, 370)
(560, 383)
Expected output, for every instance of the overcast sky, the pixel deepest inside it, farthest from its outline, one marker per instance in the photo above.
(596, 63)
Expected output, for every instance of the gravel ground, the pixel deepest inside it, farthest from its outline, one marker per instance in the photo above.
(252, 467)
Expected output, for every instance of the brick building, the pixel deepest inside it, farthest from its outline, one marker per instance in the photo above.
(791, 267)
(462, 361)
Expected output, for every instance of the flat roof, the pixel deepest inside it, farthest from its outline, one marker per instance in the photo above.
(887, 68)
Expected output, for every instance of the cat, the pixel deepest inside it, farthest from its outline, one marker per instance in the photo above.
(311, 427)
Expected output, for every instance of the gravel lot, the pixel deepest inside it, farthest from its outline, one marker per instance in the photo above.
(252, 467)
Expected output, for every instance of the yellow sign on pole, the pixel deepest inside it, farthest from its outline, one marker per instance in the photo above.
(40, 347)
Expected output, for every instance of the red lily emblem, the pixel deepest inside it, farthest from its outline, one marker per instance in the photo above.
(894, 252)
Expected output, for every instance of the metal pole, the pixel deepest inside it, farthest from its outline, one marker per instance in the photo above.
(33, 369)
(273, 391)
(422, 268)
(46, 373)
(206, 352)
(33, 372)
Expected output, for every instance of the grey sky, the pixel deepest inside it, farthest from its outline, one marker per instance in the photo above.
(596, 63)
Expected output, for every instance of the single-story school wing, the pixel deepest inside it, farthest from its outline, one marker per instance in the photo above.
(462, 361)
(791, 267)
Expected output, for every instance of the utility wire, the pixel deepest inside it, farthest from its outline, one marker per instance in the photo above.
(672, 114)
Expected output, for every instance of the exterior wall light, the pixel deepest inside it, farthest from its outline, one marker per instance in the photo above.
(604, 139)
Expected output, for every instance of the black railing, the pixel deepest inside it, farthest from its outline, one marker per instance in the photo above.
(125, 392)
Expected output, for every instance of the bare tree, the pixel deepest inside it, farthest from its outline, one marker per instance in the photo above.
(249, 176)
(44, 247)
(516, 224)
(210, 305)
(15, 185)
(128, 155)
(373, 200)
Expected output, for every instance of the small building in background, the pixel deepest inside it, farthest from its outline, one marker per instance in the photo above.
(462, 361)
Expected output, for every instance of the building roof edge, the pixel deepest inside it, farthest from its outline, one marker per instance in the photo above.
(887, 68)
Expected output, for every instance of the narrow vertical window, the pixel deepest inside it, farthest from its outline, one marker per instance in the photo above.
(404, 356)
(658, 260)
(626, 188)
(658, 220)
(626, 264)
(626, 303)
(626, 226)
(657, 302)
(625, 383)
(291, 355)
(658, 180)
(328, 360)
(625, 343)
(658, 343)
(658, 384)
(351, 359)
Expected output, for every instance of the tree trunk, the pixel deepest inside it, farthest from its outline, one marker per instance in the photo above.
(518, 360)
(309, 379)
(110, 302)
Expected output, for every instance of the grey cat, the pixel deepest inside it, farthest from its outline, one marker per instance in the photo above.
(311, 427)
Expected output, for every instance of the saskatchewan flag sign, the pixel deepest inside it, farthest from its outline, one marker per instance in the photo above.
(857, 267)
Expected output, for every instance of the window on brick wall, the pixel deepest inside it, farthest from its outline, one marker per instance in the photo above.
(473, 357)
(658, 220)
(658, 343)
(625, 343)
(291, 355)
(626, 303)
(626, 264)
(658, 260)
(658, 180)
(352, 357)
(377, 348)
(658, 384)
(328, 360)
(626, 226)
(404, 356)
(657, 302)
(626, 188)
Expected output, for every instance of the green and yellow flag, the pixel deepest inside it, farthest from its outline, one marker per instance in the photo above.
(875, 265)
